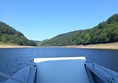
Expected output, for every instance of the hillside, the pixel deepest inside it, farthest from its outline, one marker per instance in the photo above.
(104, 32)
(9, 35)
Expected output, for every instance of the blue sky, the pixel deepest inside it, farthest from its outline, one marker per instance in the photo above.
(44, 19)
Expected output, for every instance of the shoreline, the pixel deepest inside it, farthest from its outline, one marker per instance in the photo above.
(112, 46)
(15, 46)
(98, 46)
(90, 46)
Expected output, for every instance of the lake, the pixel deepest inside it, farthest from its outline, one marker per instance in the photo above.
(13, 59)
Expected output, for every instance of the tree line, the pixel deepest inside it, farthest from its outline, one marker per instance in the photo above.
(10, 35)
(104, 32)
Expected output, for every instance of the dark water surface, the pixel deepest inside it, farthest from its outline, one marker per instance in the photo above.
(13, 59)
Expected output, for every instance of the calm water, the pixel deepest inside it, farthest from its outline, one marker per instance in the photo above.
(11, 60)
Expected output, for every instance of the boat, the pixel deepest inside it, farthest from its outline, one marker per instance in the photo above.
(63, 70)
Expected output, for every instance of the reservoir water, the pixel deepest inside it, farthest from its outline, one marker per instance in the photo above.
(13, 59)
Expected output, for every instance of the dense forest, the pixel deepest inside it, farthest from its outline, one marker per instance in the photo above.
(105, 32)
(10, 35)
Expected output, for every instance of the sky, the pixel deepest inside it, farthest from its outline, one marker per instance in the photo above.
(44, 19)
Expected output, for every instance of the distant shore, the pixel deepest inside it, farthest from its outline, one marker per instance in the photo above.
(97, 46)
(90, 46)
(10, 45)
(15, 46)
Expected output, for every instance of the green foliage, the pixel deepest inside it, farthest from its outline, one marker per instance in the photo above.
(113, 19)
(10, 35)
(104, 32)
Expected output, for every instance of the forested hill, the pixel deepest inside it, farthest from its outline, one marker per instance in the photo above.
(10, 35)
(105, 32)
